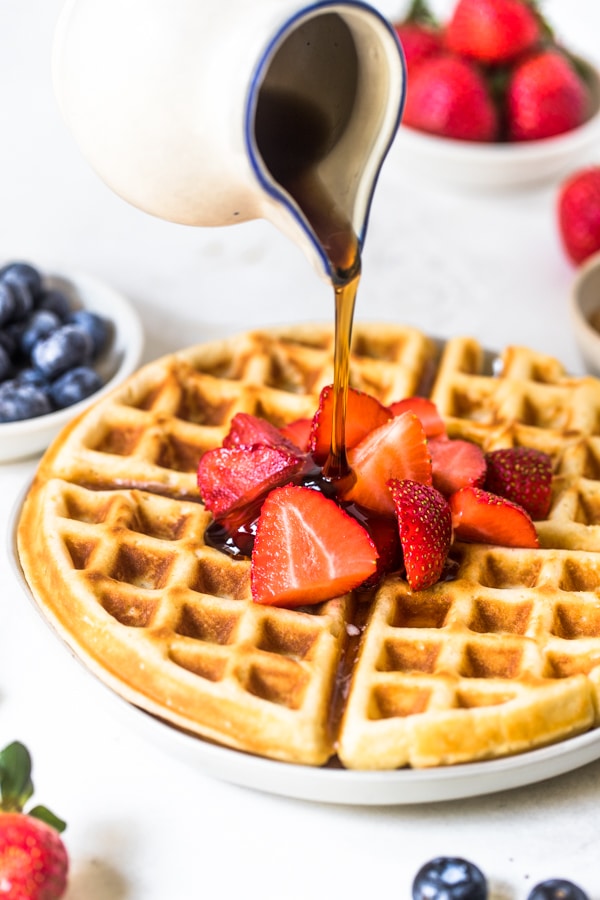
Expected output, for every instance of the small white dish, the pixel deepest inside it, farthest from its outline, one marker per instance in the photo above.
(585, 312)
(472, 165)
(29, 437)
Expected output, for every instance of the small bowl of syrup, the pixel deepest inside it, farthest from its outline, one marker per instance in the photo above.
(585, 312)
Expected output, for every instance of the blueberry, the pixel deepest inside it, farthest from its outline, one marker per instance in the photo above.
(449, 878)
(40, 324)
(65, 348)
(56, 302)
(24, 273)
(8, 342)
(74, 385)
(5, 364)
(8, 303)
(22, 401)
(97, 327)
(557, 889)
(21, 292)
(33, 376)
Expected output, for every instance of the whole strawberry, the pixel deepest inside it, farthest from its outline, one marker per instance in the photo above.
(545, 96)
(420, 36)
(449, 97)
(33, 859)
(579, 214)
(493, 31)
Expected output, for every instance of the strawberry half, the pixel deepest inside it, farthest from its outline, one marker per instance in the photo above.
(363, 414)
(455, 464)
(397, 449)
(298, 432)
(481, 516)
(230, 478)
(307, 550)
(523, 475)
(425, 529)
(425, 410)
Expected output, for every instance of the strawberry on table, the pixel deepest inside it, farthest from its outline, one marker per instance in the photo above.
(307, 550)
(363, 414)
(479, 515)
(397, 449)
(425, 529)
(449, 97)
(34, 863)
(456, 463)
(523, 475)
(545, 97)
(493, 31)
(579, 213)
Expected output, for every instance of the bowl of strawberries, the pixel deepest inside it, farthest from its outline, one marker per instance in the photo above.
(493, 98)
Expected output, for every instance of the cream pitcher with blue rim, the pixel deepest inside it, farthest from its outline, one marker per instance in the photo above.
(213, 112)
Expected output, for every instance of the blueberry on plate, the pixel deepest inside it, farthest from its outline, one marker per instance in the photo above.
(63, 349)
(449, 878)
(75, 385)
(8, 303)
(557, 889)
(40, 324)
(96, 326)
(22, 401)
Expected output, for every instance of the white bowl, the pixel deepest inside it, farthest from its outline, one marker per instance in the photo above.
(29, 437)
(468, 164)
(585, 312)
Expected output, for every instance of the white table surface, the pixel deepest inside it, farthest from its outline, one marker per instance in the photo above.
(144, 825)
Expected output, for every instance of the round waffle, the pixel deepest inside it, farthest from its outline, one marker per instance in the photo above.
(502, 658)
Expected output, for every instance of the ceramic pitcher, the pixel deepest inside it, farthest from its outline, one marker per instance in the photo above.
(174, 104)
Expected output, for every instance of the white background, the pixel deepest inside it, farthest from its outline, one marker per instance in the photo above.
(144, 825)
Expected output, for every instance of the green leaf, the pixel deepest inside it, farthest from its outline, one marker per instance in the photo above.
(40, 812)
(16, 786)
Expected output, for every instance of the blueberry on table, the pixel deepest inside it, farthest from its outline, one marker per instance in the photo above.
(96, 326)
(557, 889)
(75, 385)
(22, 401)
(449, 878)
(8, 303)
(65, 348)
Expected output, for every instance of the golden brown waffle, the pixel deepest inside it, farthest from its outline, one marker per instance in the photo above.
(501, 657)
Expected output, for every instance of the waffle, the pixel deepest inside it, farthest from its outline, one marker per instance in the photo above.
(501, 656)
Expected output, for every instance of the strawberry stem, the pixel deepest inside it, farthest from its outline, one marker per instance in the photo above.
(420, 13)
(16, 786)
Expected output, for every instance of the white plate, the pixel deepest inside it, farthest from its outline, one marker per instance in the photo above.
(331, 784)
(468, 164)
(29, 437)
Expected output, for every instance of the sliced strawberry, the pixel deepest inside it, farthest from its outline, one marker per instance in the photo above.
(384, 533)
(298, 432)
(523, 475)
(363, 414)
(246, 430)
(230, 478)
(397, 449)
(479, 515)
(455, 464)
(425, 530)
(425, 410)
(307, 550)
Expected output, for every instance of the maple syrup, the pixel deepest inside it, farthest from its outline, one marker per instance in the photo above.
(293, 136)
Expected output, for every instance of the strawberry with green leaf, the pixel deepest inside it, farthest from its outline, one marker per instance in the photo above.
(33, 859)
